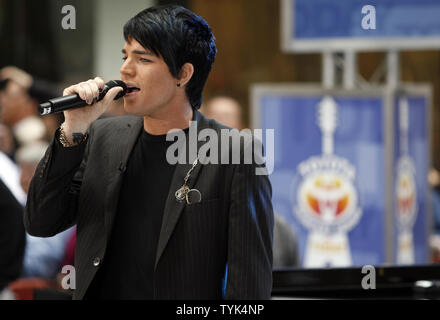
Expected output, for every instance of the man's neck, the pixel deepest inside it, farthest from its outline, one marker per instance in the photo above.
(171, 119)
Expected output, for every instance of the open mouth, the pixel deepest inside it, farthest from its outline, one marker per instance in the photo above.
(131, 89)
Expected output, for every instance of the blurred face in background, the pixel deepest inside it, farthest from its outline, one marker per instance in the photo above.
(434, 178)
(15, 104)
(225, 110)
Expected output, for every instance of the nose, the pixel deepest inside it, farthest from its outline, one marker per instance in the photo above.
(126, 68)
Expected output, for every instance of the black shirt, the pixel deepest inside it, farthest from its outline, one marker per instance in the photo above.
(127, 271)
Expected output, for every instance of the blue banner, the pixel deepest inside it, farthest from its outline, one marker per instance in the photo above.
(327, 19)
(303, 163)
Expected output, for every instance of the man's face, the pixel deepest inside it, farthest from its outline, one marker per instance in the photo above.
(144, 70)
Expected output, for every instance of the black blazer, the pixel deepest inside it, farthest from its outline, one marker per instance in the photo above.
(229, 232)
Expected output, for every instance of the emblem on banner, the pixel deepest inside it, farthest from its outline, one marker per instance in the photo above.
(406, 194)
(405, 191)
(326, 200)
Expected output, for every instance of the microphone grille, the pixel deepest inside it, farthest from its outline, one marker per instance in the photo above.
(118, 83)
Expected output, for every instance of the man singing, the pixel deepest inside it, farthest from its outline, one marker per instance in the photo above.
(136, 237)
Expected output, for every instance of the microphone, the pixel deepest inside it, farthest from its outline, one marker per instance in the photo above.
(71, 101)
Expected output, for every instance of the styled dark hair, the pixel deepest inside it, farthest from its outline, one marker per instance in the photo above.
(178, 36)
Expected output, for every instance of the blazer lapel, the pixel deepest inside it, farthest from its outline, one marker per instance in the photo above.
(122, 143)
(174, 208)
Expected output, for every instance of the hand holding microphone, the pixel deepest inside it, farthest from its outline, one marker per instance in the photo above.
(74, 100)
(96, 92)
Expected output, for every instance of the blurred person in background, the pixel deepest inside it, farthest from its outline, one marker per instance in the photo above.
(12, 238)
(7, 141)
(434, 182)
(17, 115)
(10, 175)
(43, 256)
(20, 96)
(228, 112)
(285, 247)
(225, 110)
(20, 254)
(12, 200)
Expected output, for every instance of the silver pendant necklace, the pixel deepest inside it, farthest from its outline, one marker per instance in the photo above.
(185, 193)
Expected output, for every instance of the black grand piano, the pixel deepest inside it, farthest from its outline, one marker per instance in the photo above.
(391, 282)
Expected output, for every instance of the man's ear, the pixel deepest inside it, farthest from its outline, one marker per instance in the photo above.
(186, 72)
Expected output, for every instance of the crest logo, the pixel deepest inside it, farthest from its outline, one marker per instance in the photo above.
(326, 200)
(327, 195)
(406, 193)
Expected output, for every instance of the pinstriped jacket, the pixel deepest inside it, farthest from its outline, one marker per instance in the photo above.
(226, 239)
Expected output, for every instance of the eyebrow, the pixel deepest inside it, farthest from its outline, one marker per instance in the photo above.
(138, 52)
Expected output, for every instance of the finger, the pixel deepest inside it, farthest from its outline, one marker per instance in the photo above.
(88, 92)
(68, 91)
(95, 89)
(74, 89)
(100, 82)
(81, 91)
(111, 94)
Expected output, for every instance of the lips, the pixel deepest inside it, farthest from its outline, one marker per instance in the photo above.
(132, 89)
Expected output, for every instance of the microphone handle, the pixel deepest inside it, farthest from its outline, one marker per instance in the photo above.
(71, 101)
